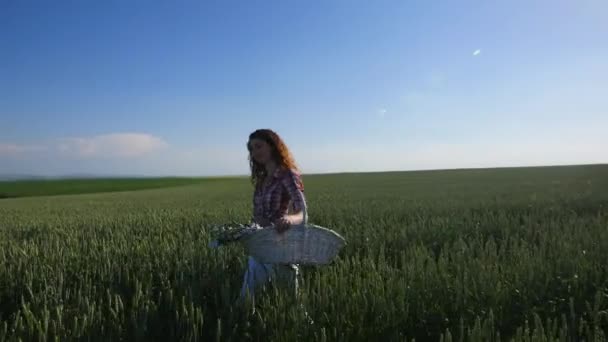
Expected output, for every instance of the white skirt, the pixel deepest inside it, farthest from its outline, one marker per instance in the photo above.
(257, 275)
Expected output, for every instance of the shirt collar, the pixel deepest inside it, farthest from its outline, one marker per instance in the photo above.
(277, 173)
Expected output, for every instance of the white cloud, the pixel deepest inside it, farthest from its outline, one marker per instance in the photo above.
(381, 112)
(117, 145)
(10, 149)
(18, 149)
(122, 153)
(476, 52)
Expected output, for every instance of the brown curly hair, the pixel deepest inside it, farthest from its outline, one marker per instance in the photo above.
(280, 153)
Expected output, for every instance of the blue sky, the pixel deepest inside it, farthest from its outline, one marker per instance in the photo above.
(175, 87)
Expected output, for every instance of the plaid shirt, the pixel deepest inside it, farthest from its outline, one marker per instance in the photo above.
(272, 201)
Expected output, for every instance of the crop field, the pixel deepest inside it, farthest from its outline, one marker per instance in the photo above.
(513, 254)
(27, 188)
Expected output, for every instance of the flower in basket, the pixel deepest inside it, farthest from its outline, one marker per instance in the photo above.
(224, 234)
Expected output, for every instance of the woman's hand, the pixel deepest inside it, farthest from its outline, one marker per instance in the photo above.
(282, 224)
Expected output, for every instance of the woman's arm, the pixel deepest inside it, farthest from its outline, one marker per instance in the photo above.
(293, 184)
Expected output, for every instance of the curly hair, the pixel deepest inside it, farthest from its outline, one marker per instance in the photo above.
(280, 153)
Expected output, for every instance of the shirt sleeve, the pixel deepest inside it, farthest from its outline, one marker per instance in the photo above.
(294, 186)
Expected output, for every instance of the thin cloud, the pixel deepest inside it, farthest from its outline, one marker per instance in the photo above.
(115, 145)
(119, 145)
(121, 153)
(476, 52)
(381, 112)
(7, 150)
(10, 149)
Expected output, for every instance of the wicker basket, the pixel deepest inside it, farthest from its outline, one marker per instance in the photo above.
(303, 244)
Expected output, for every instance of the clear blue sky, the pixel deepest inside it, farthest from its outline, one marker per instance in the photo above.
(175, 87)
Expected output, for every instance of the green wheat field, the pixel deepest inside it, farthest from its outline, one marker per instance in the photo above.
(512, 254)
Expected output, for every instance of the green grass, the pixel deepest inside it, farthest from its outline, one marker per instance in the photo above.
(28, 188)
(486, 255)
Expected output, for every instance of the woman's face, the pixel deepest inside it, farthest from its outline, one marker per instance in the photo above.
(260, 151)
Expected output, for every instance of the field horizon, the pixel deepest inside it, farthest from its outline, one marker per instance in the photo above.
(73, 185)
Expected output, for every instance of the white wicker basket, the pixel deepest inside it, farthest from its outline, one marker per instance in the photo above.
(302, 244)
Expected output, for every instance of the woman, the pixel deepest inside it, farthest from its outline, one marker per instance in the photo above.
(278, 188)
